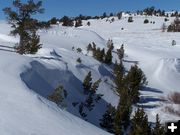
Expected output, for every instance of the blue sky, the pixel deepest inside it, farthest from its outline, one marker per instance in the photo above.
(58, 8)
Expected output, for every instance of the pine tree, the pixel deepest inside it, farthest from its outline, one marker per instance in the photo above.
(53, 20)
(124, 109)
(118, 74)
(158, 129)
(78, 23)
(108, 56)
(66, 21)
(119, 15)
(79, 60)
(95, 86)
(89, 47)
(58, 95)
(110, 44)
(33, 44)
(97, 54)
(79, 50)
(104, 15)
(88, 23)
(89, 103)
(107, 122)
(111, 14)
(81, 110)
(140, 124)
(90, 99)
(98, 97)
(24, 25)
(130, 19)
(135, 79)
(120, 52)
(87, 83)
(102, 54)
(94, 49)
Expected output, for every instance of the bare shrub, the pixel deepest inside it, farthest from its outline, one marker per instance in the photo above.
(171, 110)
(174, 103)
(174, 97)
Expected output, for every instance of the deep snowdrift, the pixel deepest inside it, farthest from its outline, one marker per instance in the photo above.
(26, 80)
(24, 112)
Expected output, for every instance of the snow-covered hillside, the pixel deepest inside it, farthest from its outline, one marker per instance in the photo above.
(27, 80)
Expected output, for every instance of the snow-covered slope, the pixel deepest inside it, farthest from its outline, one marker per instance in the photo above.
(152, 49)
(26, 80)
(24, 112)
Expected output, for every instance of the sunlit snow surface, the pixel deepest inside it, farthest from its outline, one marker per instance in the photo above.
(26, 80)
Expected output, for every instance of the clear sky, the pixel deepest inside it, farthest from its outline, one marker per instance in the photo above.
(58, 8)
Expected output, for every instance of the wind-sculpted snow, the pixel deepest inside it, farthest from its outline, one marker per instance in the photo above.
(167, 74)
(44, 76)
(67, 37)
(24, 112)
(26, 80)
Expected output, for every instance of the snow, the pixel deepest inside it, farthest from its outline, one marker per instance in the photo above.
(27, 80)
(25, 112)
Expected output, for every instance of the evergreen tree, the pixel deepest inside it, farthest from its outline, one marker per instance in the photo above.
(79, 50)
(135, 79)
(158, 129)
(130, 19)
(107, 122)
(94, 49)
(90, 100)
(102, 55)
(79, 60)
(58, 95)
(90, 90)
(81, 110)
(119, 15)
(146, 21)
(112, 20)
(118, 75)
(98, 97)
(53, 20)
(97, 54)
(108, 56)
(104, 15)
(89, 47)
(24, 25)
(78, 23)
(175, 26)
(111, 14)
(87, 83)
(110, 44)
(124, 109)
(66, 21)
(120, 52)
(95, 86)
(33, 44)
(44, 25)
(140, 124)
(88, 23)
(89, 103)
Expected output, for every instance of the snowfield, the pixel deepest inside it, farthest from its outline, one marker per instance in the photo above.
(27, 80)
